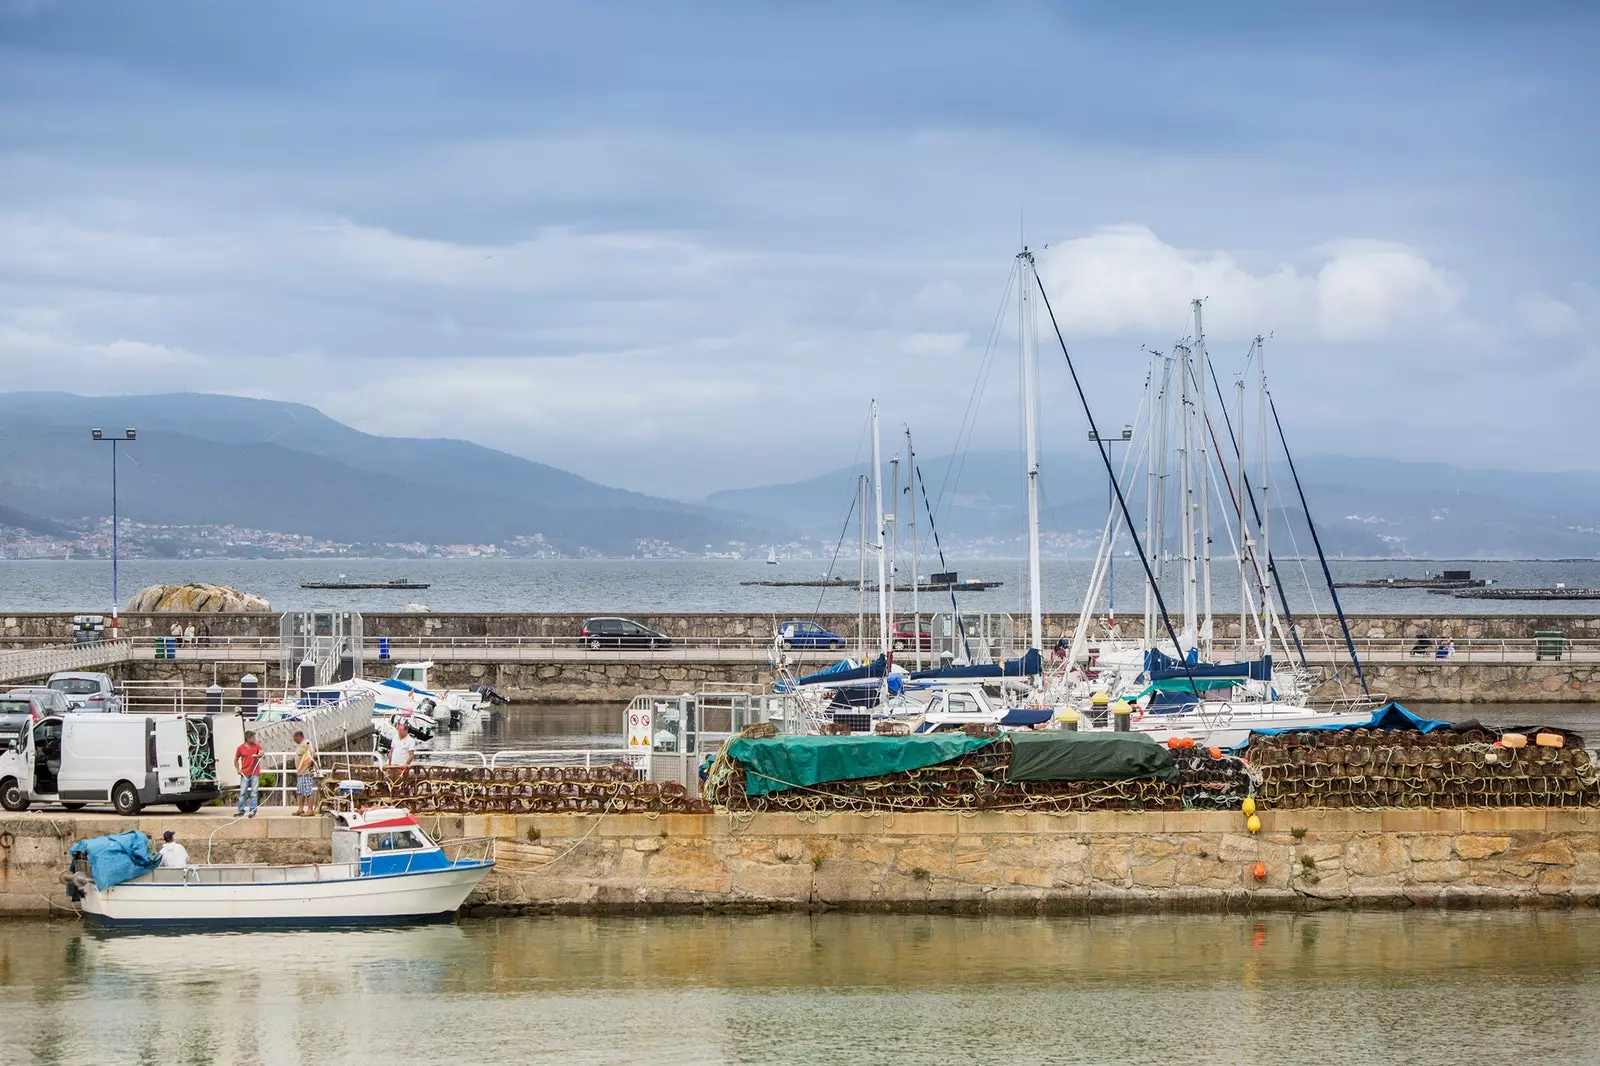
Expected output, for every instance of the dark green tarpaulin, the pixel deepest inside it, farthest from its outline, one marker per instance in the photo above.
(773, 764)
(1065, 756)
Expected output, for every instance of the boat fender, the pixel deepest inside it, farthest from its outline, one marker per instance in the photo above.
(1253, 823)
(1248, 806)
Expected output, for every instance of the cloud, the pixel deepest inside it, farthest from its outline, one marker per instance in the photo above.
(1126, 280)
(1548, 316)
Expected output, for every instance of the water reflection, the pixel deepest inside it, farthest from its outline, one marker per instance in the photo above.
(1329, 989)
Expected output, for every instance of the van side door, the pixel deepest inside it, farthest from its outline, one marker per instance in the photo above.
(172, 755)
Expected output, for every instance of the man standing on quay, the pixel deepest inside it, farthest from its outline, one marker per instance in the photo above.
(247, 760)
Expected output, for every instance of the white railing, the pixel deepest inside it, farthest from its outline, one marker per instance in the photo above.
(42, 662)
(588, 758)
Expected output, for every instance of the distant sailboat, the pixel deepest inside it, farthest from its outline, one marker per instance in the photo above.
(772, 556)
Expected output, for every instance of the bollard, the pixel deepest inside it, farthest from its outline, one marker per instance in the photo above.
(213, 698)
(308, 674)
(1068, 720)
(249, 694)
(1121, 717)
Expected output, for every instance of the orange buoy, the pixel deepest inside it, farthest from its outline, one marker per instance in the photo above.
(1216, 753)
(1260, 870)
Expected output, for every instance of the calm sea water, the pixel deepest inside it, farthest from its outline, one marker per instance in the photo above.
(652, 585)
(1464, 989)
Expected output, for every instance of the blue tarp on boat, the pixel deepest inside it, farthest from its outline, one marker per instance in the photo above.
(116, 858)
(1390, 716)
(841, 672)
(1163, 667)
(1027, 666)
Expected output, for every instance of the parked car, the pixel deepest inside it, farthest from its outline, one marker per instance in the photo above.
(904, 636)
(17, 715)
(620, 633)
(50, 701)
(86, 691)
(808, 635)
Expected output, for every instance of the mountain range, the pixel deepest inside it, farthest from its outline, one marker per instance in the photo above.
(211, 460)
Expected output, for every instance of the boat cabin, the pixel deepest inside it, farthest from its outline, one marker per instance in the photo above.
(387, 840)
(414, 674)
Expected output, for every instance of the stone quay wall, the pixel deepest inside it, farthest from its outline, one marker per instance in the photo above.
(19, 629)
(995, 862)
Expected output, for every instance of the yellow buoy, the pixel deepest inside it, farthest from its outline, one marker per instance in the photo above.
(1253, 823)
(1248, 806)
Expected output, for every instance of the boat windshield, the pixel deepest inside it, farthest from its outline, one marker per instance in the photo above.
(395, 840)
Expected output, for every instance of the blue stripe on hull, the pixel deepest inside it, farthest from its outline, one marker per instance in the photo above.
(210, 925)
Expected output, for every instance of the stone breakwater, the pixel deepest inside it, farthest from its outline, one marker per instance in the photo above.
(17, 628)
(985, 863)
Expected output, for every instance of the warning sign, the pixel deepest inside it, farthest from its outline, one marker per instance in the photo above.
(638, 729)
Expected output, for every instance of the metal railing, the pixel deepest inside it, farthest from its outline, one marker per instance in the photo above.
(42, 662)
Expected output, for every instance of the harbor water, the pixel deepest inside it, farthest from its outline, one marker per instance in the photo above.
(654, 585)
(1333, 989)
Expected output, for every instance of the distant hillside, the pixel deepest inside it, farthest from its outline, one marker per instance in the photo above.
(223, 459)
(1363, 507)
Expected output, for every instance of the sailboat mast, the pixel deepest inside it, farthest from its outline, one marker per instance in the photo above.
(1186, 502)
(916, 580)
(1150, 387)
(877, 492)
(1244, 530)
(1030, 422)
(1158, 542)
(1205, 489)
(892, 520)
(1266, 506)
(861, 587)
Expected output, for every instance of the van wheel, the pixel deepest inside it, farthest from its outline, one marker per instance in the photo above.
(11, 797)
(74, 806)
(190, 806)
(125, 798)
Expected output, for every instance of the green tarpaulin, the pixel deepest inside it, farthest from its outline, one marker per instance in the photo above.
(1066, 756)
(1184, 684)
(777, 763)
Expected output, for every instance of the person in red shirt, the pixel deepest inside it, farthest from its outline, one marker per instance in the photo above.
(247, 760)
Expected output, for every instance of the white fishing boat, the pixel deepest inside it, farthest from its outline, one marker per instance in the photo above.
(385, 870)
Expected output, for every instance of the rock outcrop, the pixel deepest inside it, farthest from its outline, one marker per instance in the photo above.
(196, 599)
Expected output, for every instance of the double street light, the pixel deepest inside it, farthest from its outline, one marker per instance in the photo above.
(1111, 505)
(127, 434)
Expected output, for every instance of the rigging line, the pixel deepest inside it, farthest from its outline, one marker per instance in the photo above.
(1316, 540)
(838, 545)
(1122, 501)
(958, 454)
(1255, 509)
(961, 625)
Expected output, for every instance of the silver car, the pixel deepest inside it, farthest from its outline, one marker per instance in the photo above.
(49, 700)
(86, 691)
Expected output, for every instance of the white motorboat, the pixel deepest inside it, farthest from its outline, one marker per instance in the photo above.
(385, 870)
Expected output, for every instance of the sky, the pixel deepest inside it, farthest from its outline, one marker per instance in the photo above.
(676, 247)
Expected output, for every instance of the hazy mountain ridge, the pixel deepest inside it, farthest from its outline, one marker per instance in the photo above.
(203, 459)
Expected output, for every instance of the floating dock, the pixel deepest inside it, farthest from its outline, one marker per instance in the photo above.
(1446, 580)
(397, 584)
(1558, 593)
(968, 585)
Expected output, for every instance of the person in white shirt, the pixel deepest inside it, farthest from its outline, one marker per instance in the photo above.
(173, 855)
(403, 750)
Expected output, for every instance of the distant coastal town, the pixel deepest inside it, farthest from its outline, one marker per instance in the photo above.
(90, 538)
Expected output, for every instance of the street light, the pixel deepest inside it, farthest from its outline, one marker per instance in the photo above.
(127, 434)
(1111, 503)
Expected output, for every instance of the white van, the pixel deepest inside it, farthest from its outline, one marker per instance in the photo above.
(129, 761)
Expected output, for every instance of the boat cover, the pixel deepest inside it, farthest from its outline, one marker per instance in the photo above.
(1029, 665)
(1163, 667)
(773, 764)
(1181, 686)
(1390, 716)
(842, 671)
(116, 858)
(1068, 756)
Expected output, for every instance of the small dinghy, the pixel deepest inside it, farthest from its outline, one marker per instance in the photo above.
(385, 871)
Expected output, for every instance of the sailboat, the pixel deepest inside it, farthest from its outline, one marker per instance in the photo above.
(772, 556)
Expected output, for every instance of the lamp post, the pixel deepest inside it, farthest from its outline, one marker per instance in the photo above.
(116, 599)
(1111, 505)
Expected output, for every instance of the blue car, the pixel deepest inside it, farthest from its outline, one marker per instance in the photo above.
(808, 635)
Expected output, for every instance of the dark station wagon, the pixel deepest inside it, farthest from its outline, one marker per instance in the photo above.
(620, 633)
